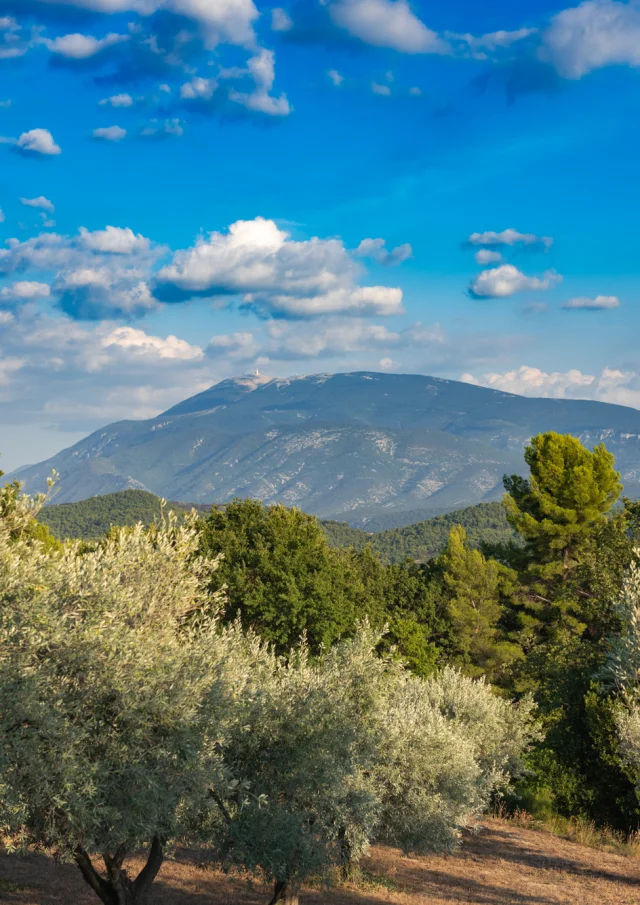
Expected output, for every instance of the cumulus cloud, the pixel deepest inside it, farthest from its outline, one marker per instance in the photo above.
(261, 68)
(599, 303)
(81, 47)
(39, 202)
(95, 275)
(99, 293)
(114, 240)
(273, 273)
(507, 280)
(335, 77)
(2, 216)
(377, 250)
(110, 133)
(487, 256)
(383, 90)
(198, 89)
(38, 141)
(611, 385)
(228, 21)
(24, 291)
(386, 23)
(510, 238)
(117, 100)
(592, 35)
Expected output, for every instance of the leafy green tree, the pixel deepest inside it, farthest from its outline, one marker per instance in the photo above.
(112, 706)
(283, 580)
(475, 588)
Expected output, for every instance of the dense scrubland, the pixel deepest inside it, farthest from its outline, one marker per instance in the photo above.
(233, 683)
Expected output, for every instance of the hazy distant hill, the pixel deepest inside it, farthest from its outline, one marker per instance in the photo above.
(91, 519)
(371, 449)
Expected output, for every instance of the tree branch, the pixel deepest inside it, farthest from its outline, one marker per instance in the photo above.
(150, 871)
(101, 888)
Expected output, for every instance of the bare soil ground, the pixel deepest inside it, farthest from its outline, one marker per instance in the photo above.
(501, 865)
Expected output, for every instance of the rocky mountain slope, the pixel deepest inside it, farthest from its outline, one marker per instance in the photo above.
(360, 447)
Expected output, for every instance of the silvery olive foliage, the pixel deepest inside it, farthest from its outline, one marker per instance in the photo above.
(349, 749)
(129, 717)
(115, 689)
(622, 670)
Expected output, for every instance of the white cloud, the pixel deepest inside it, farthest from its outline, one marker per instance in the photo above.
(39, 202)
(611, 385)
(198, 89)
(486, 256)
(383, 90)
(509, 237)
(481, 45)
(592, 35)
(98, 293)
(335, 77)
(81, 47)
(337, 336)
(599, 303)
(110, 133)
(114, 240)
(507, 280)
(140, 343)
(261, 68)
(387, 363)
(168, 127)
(386, 23)
(38, 141)
(117, 100)
(376, 249)
(415, 91)
(236, 346)
(2, 216)
(229, 21)
(74, 377)
(280, 20)
(25, 291)
(272, 272)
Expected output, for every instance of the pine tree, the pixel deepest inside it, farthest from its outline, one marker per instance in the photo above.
(475, 586)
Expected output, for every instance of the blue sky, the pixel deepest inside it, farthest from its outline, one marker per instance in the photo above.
(191, 189)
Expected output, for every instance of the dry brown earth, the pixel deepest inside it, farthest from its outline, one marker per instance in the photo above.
(501, 865)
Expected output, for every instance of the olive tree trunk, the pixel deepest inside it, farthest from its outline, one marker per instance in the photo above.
(118, 888)
(284, 894)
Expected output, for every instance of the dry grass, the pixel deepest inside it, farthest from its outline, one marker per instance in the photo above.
(503, 864)
(576, 829)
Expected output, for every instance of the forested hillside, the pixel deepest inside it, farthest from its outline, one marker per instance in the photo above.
(485, 523)
(91, 519)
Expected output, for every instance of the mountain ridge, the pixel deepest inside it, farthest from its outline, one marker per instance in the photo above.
(357, 447)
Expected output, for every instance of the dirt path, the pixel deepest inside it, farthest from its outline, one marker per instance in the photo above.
(502, 865)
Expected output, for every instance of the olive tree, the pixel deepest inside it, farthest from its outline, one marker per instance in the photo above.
(622, 669)
(350, 748)
(115, 691)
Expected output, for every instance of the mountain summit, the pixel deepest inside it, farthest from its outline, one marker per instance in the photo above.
(368, 448)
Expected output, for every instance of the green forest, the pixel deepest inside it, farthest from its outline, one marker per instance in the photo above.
(287, 693)
(91, 519)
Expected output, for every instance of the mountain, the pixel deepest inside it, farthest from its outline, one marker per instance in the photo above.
(372, 449)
